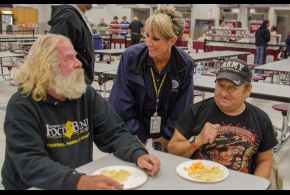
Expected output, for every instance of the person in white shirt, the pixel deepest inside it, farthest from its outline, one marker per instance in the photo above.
(209, 30)
(223, 31)
(273, 32)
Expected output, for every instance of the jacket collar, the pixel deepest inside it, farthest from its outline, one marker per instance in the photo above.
(177, 64)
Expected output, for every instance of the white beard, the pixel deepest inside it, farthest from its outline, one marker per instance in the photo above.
(71, 86)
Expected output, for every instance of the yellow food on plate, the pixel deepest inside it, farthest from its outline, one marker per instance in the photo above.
(200, 172)
(120, 176)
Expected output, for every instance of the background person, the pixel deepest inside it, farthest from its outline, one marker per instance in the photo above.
(115, 27)
(98, 42)
(103, 30)
(102, 27)
(239, 25)
(225, 128)
(224, 33)
(273, 33)
(209, 31)
(50, 129)
(262, 37)
(245, 32)
(124, 26)
(70, 21)
(136, 28)
(287, 42)
(154, 81)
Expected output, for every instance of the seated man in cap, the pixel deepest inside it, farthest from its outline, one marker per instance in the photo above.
(225, 128)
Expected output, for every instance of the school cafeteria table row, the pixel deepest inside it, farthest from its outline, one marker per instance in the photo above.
(217, 54)
(111, 52)
(266, 91)
(280, 66)
(249, 47)
(4, 43)
(169, 179)
(18, 40)
(196, 56)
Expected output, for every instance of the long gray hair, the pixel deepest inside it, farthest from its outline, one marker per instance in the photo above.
(36, 71)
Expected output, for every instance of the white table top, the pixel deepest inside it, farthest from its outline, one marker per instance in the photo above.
(267, 91)
(109, 51)
(110, 72)
(119, 51)
(100, 68)
(10, 54)
(216, 54)
(239, 45)
(114, 37)
(183, 48)
(282, 66)
(25, 43)
(168, 179)
(17, 40)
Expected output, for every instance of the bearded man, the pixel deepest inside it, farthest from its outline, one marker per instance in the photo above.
(53, 120)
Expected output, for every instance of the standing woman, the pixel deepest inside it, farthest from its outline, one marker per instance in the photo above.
(262, 37)
(154, 82)
(273, 33)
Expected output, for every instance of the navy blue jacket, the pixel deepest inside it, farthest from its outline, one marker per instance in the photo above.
(97, 41)
(128, 92)
(287, 42)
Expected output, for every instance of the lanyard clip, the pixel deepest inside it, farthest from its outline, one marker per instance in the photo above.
(155, 114)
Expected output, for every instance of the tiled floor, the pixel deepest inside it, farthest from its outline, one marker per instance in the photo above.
(283, 156)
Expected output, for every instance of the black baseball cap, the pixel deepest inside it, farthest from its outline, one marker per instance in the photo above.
(235, 70)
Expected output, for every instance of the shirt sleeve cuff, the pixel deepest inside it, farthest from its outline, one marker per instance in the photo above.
(70, 181)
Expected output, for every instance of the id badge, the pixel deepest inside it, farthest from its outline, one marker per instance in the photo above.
(155, 124)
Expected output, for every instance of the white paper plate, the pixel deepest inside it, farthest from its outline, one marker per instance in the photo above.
(183, 173)
(137, 177)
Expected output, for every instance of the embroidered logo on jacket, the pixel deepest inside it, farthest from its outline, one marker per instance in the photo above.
(174, 84)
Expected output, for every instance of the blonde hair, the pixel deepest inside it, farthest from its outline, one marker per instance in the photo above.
(36, 72)
(167, 21)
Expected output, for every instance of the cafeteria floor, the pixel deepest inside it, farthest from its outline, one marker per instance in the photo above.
(283, 155)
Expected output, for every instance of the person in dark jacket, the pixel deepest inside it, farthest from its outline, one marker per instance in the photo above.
(154, 81)
(54, 119)
(262, 37)
(70, 21)
(287, 42)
